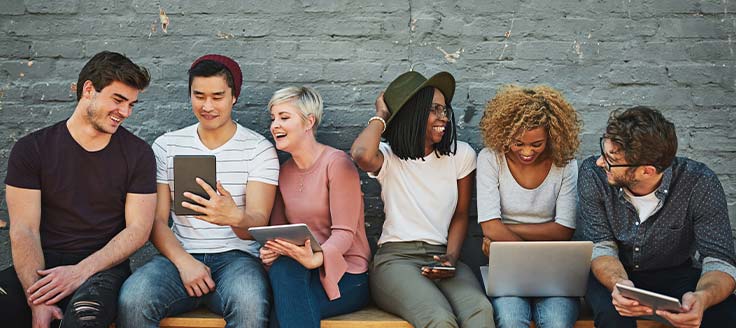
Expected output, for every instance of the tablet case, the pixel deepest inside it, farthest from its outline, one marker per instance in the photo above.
(186, 169)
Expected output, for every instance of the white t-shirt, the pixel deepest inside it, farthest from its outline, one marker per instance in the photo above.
(645, 205)
(247, 156)
(420, 196)
(500, 196)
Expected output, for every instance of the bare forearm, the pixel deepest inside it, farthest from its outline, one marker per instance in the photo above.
(118, 249)
(497, 231)
(27, 256)
(249, 220)
(715, 286)
(541, 231)
(166, 243)
(456, 235)
(608, 270)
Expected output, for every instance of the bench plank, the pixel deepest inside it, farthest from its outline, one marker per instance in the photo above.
(369, 317)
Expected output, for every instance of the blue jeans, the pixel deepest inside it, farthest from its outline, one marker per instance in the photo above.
(155, 291)
(301, 301)
(512, 311)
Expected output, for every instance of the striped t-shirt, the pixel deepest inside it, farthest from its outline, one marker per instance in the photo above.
(246, 157)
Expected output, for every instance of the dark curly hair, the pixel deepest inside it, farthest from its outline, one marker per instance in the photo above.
(644, 136)
(515, 109)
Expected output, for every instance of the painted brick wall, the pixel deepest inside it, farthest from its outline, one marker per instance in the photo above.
(675, 55)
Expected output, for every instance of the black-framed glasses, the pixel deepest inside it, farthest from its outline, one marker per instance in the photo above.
(441, 111)
(609, 165)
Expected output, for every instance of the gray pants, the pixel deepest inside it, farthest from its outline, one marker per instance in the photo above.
(397, 286)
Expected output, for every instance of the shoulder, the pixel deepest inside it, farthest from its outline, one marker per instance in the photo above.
(247, 135)
(571, 167)
(465, 152)
(129, 138)
(588, 166)
(180, 136)
(338, 159)
(692, 171)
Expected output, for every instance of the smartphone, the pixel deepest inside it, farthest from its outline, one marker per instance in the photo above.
(186, 169)
(439, 267)
(651, 299)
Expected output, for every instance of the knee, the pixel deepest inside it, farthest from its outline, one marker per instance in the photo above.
(437, 317)
(84, 313)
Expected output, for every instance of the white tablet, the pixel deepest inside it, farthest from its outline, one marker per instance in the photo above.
(293, 233)
(651, 299)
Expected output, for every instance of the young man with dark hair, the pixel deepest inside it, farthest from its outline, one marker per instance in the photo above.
(648, 213)
(209, 259)
(81, 198)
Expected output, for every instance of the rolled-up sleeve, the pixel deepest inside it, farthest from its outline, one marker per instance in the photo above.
(713, 238)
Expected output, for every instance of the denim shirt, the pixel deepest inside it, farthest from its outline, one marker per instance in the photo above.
(693, 216)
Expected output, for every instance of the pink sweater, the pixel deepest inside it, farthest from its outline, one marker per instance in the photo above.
(327, 198)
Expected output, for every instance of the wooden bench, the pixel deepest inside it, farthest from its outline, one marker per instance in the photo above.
(369, 317)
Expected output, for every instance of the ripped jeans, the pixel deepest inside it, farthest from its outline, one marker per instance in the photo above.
(93, 304)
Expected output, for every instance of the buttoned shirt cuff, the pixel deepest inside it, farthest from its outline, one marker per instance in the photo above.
(714, 264)
(605, 248)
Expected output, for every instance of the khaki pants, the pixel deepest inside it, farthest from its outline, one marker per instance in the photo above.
(397, 286)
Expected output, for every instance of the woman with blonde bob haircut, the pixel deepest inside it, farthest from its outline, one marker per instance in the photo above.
(526, 180)
(318, 186)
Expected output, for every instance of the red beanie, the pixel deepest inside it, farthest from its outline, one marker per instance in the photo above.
(231, 66)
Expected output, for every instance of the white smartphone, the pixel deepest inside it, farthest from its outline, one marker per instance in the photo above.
(651, 299)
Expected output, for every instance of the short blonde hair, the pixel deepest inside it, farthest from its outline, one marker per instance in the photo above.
(305, 98)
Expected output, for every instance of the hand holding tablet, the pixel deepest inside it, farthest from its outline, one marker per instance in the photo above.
(651, 299)
(293, 233)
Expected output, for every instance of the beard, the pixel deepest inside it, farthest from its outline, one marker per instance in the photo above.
(95, 117)
(627, 181)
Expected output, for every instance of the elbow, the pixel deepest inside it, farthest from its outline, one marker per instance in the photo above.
(360, 157)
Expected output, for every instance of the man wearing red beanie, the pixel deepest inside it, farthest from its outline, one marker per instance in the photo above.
(208, 259)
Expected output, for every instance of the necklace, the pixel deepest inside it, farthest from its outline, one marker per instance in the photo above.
(301, 182)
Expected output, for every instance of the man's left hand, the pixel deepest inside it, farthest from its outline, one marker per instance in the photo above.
(692, 316)
(56, 284)
(220, 209)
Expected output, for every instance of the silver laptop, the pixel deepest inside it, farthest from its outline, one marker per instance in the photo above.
(537, 268)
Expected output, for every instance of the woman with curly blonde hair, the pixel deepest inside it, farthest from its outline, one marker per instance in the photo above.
(526, 178)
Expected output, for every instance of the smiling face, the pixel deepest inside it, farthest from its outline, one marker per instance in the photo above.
(436, 123)
(212, 101)
(527, 148)
(288, 128)
(109, 107)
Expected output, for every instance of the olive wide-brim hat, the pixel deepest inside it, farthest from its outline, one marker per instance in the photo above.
(408, 84)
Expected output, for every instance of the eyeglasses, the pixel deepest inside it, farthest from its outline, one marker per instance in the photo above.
(441, 111)
(609, 165)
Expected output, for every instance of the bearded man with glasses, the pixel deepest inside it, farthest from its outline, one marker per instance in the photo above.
(659, 222)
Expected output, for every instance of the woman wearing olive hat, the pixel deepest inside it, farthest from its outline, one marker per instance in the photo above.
(426, 177)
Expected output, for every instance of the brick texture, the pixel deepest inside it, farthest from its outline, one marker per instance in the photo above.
(677, 56)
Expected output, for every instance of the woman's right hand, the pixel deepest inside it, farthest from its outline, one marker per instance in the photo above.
(268, 256)
(486, 245)
(381, 108)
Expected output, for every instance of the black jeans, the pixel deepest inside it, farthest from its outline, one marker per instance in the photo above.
(673, 282)
(93, 304)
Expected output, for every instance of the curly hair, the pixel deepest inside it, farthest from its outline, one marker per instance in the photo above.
(515, 109)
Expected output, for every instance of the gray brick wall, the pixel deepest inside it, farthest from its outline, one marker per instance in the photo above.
(675, 55)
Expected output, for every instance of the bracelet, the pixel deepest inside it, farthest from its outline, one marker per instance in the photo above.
(379, 119)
